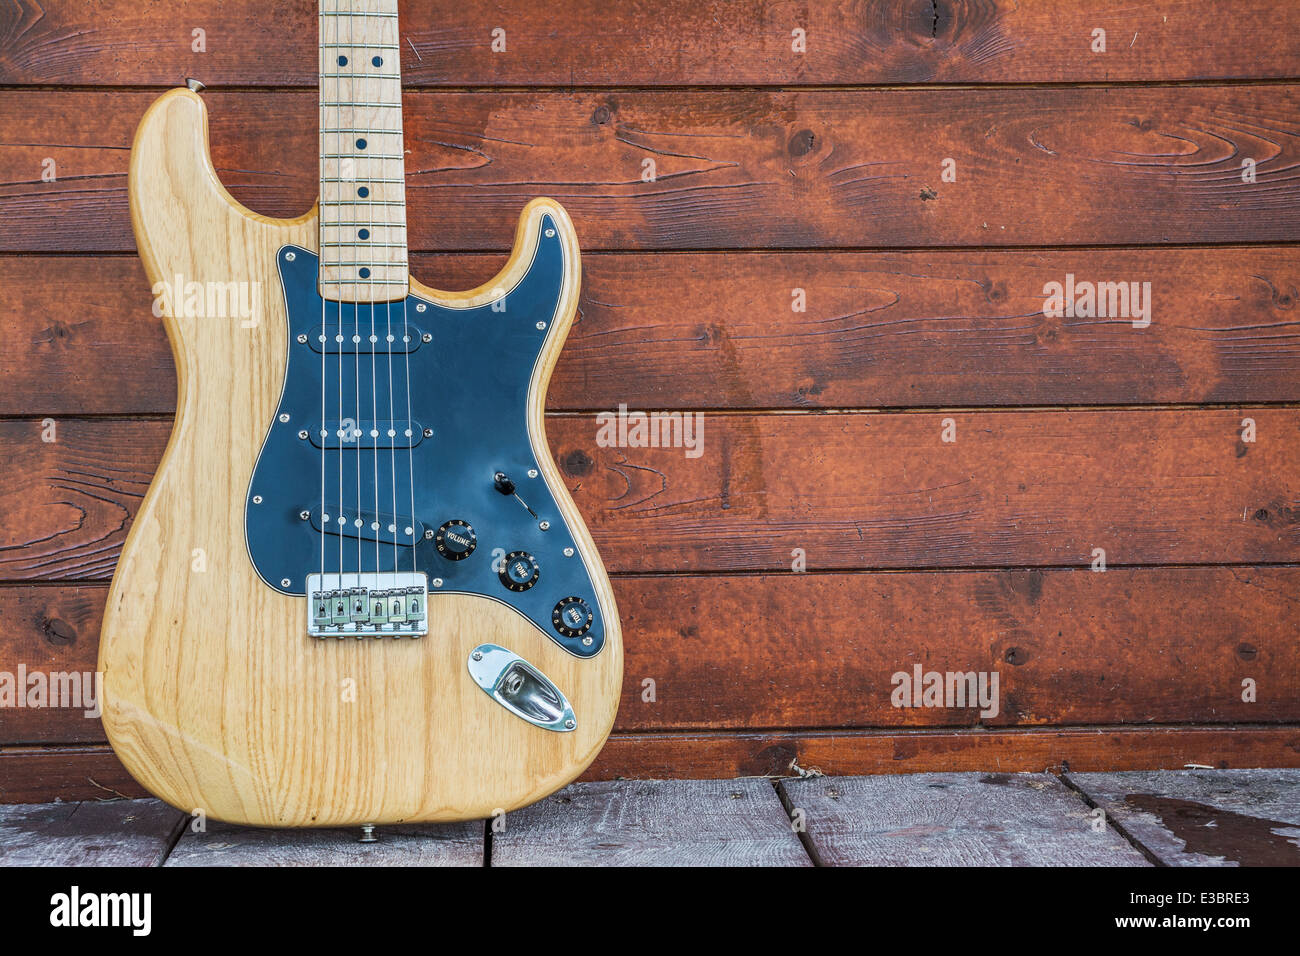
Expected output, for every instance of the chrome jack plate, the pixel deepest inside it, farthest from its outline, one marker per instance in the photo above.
(520, 688)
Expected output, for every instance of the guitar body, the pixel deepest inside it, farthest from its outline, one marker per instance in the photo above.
(216, 698)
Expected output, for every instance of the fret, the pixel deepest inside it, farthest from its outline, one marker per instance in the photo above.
(363, 249)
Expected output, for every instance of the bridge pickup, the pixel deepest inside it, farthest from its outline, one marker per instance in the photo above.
(392, 336)
(369, 525)
(384, 604)
(366, 435)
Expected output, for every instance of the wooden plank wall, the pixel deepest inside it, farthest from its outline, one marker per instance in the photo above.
(922, 312)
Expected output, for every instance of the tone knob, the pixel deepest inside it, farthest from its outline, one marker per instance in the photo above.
(520, 571)
(572, 617)
(455, 540)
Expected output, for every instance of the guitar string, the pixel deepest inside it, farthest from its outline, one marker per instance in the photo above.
(410, 427)
(358, 522)
(338, 144)
(374, 382)
(324, 323)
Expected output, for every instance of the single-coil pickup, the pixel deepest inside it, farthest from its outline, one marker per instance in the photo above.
(391, 336)
(368, 525)
(367, 435)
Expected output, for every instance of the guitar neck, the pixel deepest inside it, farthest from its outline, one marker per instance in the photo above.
(363, 254)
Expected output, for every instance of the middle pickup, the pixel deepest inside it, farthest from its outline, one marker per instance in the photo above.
(354, 433)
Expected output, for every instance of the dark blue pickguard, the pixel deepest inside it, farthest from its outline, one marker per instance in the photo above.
(469, 386)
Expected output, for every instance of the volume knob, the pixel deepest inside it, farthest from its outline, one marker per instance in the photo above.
(519, 571)
(455, 540)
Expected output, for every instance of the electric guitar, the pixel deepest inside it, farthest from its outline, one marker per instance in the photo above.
(358, 590)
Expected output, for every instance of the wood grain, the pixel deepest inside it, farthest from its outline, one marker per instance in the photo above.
(651, 823)
(322, 733)
(223, 844)
(751, 169)
(880, 330)
(1136, 646)
(952, 819)
(741, 42)
(92, 833)
(854, 491)
(30, 774)
(1203, 817)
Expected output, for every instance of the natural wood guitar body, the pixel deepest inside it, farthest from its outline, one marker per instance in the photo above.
(216, 699)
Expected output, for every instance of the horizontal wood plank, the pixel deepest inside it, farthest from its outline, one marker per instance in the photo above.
(850, 491)
(878, 330)
(221, 844)
(748, 169)
(32, 774)
(90, 833)
(1204, 817)
(584, 42)
(651, 823)
(1156, 645)
(952, 819)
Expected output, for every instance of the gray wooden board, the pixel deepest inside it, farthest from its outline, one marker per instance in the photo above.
(93, 833)
(954, 819)
(1204, 817)
(430, 844)
(652, 823)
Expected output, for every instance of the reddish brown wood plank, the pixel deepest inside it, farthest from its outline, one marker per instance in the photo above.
(1002, 751)
(747, 169)
(32, 774)
(586, 42)
(1157, 645)
(880, 329)
(853, 491)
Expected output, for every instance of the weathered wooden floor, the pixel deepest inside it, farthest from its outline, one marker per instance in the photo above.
(1165, 818)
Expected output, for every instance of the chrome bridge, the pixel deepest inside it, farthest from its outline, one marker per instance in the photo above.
(369, 604)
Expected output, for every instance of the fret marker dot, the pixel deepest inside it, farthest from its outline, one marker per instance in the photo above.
(365, 273)
(361, 144)
(363, 192)
(343, 61)
(364, 234)
(378, 61)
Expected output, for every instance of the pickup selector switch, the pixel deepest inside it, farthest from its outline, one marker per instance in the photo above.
(572, 617)
(455, 540)
(519, 571)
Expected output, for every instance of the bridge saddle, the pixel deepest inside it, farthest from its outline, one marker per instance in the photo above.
(369, 604)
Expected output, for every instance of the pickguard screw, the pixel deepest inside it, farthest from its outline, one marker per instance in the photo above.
(284, 417)
(545, 526)
(550, 233)
(421, 307)
(426, 337)
(586, 641)
(437, 582)
(428, 433)
(368, 833)
(257, 499)
(532, 472)
(540, 326)
(302, 339)
(303, 434)
(304, 515)
(477, 655)
(568, 552)
(428, 534)
(285, 582)
(290, 256)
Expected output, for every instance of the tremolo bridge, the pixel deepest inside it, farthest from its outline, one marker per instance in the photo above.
(369, 604)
